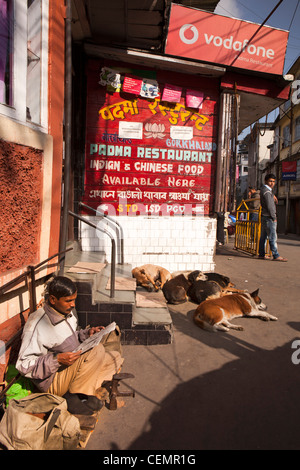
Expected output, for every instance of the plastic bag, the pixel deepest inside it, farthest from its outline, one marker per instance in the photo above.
(21, 388)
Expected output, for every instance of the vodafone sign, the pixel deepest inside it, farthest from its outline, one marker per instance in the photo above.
(199, 35)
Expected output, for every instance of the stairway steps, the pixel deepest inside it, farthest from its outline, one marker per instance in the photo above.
(139, 325)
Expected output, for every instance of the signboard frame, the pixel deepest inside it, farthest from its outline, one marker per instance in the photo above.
(149, 171)
(205, 36)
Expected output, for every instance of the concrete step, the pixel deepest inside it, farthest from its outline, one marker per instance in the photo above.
(75, 255)
(102, 294)
(139, 325)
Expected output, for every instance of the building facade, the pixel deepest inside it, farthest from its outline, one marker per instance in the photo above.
(158, 153)
(32, 68)
(288, 143)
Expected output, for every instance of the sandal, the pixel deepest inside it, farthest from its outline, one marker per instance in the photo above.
(280, 258)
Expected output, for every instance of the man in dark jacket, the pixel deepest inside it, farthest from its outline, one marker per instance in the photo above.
(268, 219)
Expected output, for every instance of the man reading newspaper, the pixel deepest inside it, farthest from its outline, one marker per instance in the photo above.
(52, 351)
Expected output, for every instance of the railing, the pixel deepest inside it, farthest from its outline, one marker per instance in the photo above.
(248, 229)
(113, 251)
(29, 274)
(119, 230)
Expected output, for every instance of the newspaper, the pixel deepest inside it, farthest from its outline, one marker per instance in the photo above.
(95, 339)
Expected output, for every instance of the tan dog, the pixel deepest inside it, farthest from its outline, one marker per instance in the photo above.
(151, 277)
(215, 314)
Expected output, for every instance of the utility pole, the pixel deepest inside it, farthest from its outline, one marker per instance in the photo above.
(288, 183)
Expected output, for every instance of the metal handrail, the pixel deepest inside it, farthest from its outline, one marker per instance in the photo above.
(113, 251)
(29, 273)
(119, 232)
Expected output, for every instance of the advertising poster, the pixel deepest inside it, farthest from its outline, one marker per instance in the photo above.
(148, 156)
(221, 40)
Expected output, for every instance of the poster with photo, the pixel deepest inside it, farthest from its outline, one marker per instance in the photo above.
(150, 89)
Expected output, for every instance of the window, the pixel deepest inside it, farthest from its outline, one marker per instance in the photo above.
(286, 136)
(6, 36)
(34, 49)
(286, 105)
(297, 128)
(24, 60)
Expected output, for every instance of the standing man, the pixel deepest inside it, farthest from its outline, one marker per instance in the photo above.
(268, 219)
(255, 204)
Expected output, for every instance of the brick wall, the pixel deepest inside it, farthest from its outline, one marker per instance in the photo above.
(21, 205)
(176, 243)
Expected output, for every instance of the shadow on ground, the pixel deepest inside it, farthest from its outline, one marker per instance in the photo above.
(249, 403)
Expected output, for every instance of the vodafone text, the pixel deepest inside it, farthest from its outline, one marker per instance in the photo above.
(227, 43)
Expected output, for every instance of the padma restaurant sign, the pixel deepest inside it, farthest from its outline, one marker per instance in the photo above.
(150, 144)
(208, 37)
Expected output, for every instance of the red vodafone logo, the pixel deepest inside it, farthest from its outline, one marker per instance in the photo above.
(188, 34)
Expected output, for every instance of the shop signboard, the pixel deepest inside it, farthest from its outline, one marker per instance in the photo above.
(148, 156)
(208, 37)
(289, 171)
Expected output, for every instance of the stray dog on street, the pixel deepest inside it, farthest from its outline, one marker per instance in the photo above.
(203, 290)
(222, 280)
(175, 290)
(151, 277)
(215, 314)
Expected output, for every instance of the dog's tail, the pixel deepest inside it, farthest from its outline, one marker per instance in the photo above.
(203, 324)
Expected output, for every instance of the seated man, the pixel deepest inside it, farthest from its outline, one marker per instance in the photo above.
(49, 337)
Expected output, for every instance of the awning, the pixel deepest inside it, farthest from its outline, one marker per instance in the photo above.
(259, 94)
(156, 61)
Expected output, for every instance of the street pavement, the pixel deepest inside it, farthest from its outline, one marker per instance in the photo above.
(237, 390)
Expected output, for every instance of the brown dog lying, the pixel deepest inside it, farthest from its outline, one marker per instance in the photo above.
(217, 285)
(202, 290)
(151, 277)
(222, 280)
(216, 314)
(175, 290)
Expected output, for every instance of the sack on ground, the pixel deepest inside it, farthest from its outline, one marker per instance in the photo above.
(21, 387)
(39, 421)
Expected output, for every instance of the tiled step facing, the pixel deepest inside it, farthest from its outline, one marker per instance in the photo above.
(138, 325)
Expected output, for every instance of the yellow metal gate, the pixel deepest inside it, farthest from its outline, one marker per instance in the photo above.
(248, 229)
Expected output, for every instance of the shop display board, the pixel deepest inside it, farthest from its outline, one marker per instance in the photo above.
(144, 155)
(206, 36)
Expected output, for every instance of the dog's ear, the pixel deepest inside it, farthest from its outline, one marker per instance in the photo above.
(142, 271)
(255, 293)
(193, 276)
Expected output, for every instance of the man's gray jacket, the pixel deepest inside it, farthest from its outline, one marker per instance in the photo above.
(45, 334)
(268, 207)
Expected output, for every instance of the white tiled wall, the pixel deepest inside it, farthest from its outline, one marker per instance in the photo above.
(176, 243)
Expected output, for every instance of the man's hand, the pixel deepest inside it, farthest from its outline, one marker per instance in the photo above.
(95, 329)
(68, 358)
